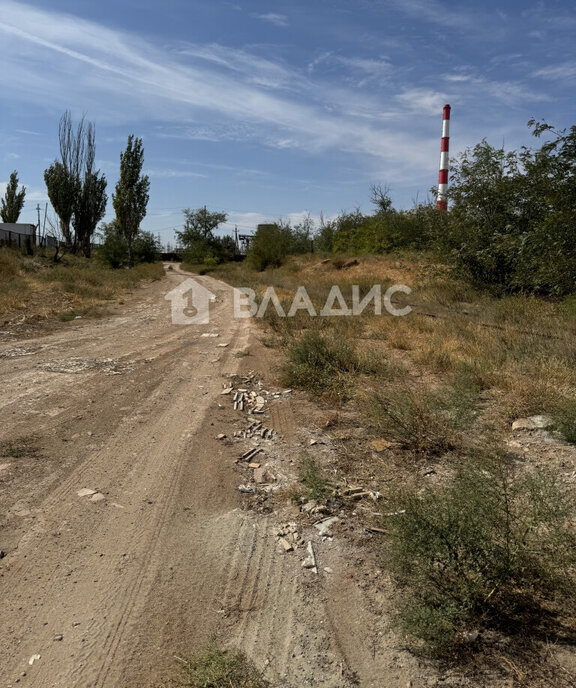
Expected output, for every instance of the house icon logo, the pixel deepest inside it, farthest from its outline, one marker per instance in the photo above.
(190, 303)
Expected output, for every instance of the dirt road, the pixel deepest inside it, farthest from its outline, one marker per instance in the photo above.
(124, 534)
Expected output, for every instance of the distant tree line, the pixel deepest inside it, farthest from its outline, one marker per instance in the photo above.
(511, 226)
(77, 192)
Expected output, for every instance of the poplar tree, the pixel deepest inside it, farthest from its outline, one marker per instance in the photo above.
(132, 192)
(76, 191)
(13, 200)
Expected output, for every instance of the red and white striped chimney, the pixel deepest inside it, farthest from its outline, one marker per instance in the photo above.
(442, 200)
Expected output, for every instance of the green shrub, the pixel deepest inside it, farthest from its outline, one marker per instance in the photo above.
(487, 550)
(113, 250)
(210, 263)
(320, 364)
(387, 230)
(273, 243)
(270, 247)
(146, 248)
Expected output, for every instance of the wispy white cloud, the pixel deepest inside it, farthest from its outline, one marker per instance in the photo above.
(434, 12)
(423, 100)
(33, 194)
(216, 93)
(360, 70)
(248, 221)
(256, 70)
(560, 72)
(169, 173)
(459, 78)
(507, 92)
(36, 195)
(558, 20)
(122, 77)
(273, 18)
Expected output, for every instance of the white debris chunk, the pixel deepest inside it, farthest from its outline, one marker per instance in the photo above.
(86, 492)
(324, 526)
(310, 561)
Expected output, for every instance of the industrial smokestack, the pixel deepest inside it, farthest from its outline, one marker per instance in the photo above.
(442, 200)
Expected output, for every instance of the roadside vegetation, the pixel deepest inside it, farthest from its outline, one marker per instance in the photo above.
(71, 279)
(490, 551)
(214, 667)
(510, 228)
(35, 289)
(478, 532)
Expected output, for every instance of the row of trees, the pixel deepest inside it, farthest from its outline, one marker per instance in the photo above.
(77, 191)
(271, 244)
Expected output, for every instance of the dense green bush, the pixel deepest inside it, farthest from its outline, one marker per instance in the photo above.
(511, 226)
(354, 232)
(210, 251)
(512, 218)
(273, 243)
(270, 247)
(145, 248)
(201, 245)
(114, 248)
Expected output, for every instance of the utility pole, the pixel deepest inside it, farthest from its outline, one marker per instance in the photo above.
(38, 229)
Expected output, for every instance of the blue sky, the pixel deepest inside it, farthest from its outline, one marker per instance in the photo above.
(267, 109)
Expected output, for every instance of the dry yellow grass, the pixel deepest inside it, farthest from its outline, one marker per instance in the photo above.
(34, 287)
(520, 350)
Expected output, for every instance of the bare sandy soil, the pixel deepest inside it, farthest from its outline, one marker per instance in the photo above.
(125, 539)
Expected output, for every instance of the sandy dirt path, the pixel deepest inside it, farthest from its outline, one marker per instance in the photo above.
(84, 570)
(107, 588)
